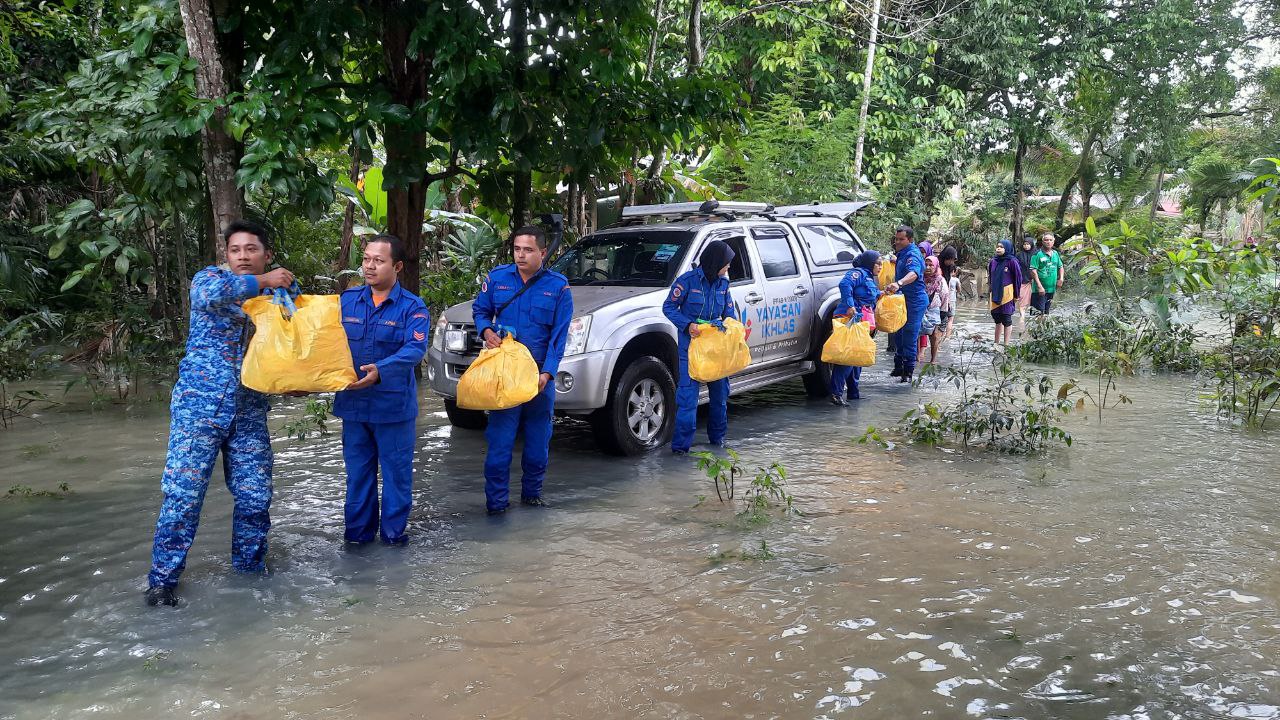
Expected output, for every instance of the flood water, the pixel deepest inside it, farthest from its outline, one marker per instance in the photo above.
(1132, 576)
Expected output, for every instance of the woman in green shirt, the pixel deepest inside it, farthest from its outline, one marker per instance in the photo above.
(1046, 275)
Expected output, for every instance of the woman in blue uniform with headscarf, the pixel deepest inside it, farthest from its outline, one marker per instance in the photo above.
(702, 294)
(858, 292)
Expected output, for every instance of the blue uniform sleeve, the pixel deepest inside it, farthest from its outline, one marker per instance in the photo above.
(217, 291)
(914, 264)
(846, 289)
(866, 292)
(416, 332)
(673, 306)
(482, 309)
(559, 332)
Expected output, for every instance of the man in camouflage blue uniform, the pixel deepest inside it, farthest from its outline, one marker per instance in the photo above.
(213, 413)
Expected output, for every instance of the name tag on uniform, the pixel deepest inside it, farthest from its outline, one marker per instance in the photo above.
(356, 320)
(391, 323)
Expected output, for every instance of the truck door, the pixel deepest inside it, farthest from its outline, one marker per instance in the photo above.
(785, 317)
(744, 285)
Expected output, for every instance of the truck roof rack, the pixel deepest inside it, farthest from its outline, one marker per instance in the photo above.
(831, 209)
(728, 210)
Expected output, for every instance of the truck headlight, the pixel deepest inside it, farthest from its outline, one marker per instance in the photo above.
(437, 338)
(455, 340)
(578, 329)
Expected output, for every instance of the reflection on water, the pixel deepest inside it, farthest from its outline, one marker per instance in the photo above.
(1134, 576)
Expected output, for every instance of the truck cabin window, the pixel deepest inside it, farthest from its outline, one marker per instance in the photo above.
(640, 259)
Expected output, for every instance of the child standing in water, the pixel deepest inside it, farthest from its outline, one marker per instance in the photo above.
(1003, 283)
(951, 278)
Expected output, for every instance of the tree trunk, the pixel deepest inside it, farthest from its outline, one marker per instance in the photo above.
(695, 36)
(522, 179)
(407, 82)
(653, 40)
(184, 272)
(1020, 193)
(1065, 202)
(1087, 175)
(343, 261)
(866, 97)
(1155, 199)
(220, 151)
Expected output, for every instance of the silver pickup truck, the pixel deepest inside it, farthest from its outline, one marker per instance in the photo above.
(620, 358)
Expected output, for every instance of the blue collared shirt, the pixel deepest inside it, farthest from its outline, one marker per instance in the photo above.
(394, 337)
(858, 290)
(693, 298)
(539, 318)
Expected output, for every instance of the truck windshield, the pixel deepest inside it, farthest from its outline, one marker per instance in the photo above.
(641, 259)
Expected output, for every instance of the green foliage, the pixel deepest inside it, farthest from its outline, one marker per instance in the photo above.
(27, 492)
(1244, 375)
(765, 492)
(1001, 406)
(313, 419)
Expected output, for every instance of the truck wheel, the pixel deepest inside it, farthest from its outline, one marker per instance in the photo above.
(818, 383)
(463, 418)
(641, 410)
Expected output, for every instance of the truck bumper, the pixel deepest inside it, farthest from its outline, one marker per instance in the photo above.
(582, 384)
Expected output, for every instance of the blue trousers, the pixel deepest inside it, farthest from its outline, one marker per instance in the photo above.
(533, 420)
(687, 408)
(844, 376)
(365, 448)
(194, 445)
(906, 340)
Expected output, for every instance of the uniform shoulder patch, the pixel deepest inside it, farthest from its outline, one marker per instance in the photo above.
(419, 336)
(484, 285)
(676, 291)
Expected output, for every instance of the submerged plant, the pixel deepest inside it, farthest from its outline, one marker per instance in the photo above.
(1001, 405)
(314, 419)
(765, 491)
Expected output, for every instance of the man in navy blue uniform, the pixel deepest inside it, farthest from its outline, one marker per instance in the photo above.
(535, 305)
(212, 413)
(387, 329)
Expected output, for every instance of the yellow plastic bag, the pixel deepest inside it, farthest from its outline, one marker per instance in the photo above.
(849, 344)
(305, 353)
(887, 270)
(501, 378)
(891, 313)
(714, 354)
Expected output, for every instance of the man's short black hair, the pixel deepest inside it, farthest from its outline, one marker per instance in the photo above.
(911, 234)
(539, 235)
(395, 244)
(247, 226)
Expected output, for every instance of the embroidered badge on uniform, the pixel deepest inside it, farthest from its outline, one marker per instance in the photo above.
(419, 336)
(484, 286)
(675, 292)
(421, 315)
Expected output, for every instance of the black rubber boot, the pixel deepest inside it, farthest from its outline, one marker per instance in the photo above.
(908, 369)
(161, 595)
(534, 501)
(837, 400)
(897, 367)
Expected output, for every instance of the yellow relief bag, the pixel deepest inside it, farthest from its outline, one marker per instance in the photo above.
(307, 352)
(714, 355)
(501, 378)
(887, 270)
(849, 344)
(891, 313)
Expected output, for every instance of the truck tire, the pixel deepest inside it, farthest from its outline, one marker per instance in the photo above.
(641, 409)
(463, 418)
(818, 383)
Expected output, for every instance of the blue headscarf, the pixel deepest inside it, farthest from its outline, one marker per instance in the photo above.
(867, 259)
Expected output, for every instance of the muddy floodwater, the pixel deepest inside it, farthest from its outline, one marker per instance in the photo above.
(1132, 576)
